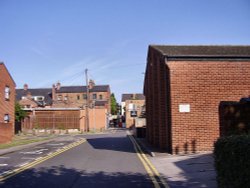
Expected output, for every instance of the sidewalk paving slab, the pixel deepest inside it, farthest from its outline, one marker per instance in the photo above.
(179, 171)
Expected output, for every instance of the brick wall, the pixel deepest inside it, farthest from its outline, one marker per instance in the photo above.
(156, 90)
(97, 119)
(6, 106)
(6, 132)
(130, 121)
(203, 85)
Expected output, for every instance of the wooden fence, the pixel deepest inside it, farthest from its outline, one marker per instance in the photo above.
(51, 122)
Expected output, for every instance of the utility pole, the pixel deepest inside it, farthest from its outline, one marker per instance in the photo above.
(87, 105)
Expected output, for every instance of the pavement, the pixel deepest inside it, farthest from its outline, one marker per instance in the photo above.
(192, 171)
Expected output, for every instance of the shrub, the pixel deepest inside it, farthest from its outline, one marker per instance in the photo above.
(232, 161)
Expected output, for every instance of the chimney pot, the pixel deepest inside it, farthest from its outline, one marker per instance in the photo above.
(25, 87)
(58, 86)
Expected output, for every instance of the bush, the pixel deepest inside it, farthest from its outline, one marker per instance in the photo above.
(232, 161)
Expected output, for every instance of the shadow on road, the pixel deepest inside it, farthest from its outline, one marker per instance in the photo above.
(122, 144)
(59, 176)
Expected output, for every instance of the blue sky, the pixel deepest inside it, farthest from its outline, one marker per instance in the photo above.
(45, 41)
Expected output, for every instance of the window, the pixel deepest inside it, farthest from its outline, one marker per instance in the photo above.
(131, 107)
(100, 97)
(7, 92)
(94, 96)
(59, 97)
(84, 96)
(65, 98)
(78, 97)
(6, 118)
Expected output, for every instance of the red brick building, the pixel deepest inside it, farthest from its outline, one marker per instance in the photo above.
(132, 107)
(7, 105)
(184, 86)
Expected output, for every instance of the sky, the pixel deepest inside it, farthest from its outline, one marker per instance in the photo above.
(46, 41)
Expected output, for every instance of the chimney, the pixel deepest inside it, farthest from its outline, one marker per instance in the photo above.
(91, 84)
(58, 85)
(28, 95)
(134, 96)
(25, 87)
(53, 92)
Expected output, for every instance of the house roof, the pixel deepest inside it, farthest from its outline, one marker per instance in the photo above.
(131, 96)
(46, 92)
(219, 51)
(80, 89)
(2, 64)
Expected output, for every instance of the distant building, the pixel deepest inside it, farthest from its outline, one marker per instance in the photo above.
(66, 103)
(7, 105)
(132, 106)
(64, 96)
(76, 96)
(184, 86)
(34, 98)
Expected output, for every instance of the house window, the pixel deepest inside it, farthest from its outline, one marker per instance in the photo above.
(6, 118)
(59, 97)
(84, 96)
(100, 97)
(94, 96)
(7, 92)
(78, 97)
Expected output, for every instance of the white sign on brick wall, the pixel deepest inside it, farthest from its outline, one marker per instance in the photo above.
(184, 107)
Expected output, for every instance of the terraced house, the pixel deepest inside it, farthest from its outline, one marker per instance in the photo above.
(76, 96)
(7, 105)
(64, 106)
(184, 87)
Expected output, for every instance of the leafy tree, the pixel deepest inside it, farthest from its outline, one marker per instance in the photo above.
(19, 112)
(113, 104)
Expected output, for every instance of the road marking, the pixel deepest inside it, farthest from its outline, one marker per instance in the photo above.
(11, 173)
(151, 170)
(3, 164)
(4, 157)
(37, 152)
(28, 158)
(20, 165)
(4, 172)
(59, 144)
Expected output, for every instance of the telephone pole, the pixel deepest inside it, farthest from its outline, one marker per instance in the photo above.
(87, 105)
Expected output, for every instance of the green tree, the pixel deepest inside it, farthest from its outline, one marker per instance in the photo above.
(19, 112)
(113, 104)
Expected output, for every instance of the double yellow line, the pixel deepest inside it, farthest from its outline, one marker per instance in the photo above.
(39, 160)
(154, 175)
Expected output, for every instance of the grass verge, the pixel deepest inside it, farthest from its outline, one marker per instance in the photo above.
(23, 140)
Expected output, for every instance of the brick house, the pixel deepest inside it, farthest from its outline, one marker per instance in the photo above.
(7, 105)
(76, 96)
(34, 97)
(132, 106)
(184, 86)
(64, 96)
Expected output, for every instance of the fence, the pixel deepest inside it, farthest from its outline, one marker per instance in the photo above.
(51, 122)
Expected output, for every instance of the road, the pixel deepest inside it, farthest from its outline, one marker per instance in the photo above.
(104, 160)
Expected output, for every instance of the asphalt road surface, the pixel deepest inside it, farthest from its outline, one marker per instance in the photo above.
(106, 160)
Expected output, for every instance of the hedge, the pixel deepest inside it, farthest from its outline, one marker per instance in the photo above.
(232, 161)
